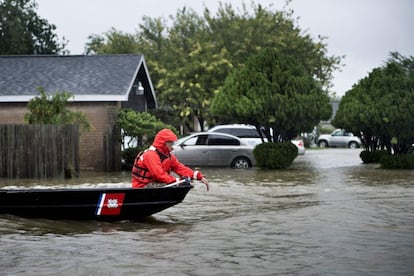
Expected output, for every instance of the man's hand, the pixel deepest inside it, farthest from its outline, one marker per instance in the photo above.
(205, 181)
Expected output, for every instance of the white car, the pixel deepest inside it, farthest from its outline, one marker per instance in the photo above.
(339, 138)
(249, 134)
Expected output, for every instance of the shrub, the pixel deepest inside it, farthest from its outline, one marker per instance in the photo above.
(52, 110)
(326, 130)
(372, 156)
(275, 155)
(128, 158)
(400, 161)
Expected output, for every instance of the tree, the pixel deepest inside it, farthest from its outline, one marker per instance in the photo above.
(47, 109)
(190, 60)
(139, 125)
(205, 50)
(273, 90)
(257, 28)
(380, 107)
(23, 32)
(113, 42)
(189, 73)
(138, 130)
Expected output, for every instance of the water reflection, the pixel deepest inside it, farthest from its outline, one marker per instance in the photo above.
(326, 214)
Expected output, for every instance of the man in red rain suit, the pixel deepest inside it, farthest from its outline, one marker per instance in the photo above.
(156, 163)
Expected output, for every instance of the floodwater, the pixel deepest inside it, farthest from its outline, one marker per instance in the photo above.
(328, 214)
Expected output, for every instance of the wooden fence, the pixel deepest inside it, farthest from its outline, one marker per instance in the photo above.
(39, 151)
(112, 149)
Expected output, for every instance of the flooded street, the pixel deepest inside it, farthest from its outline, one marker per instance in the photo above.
(328, 214)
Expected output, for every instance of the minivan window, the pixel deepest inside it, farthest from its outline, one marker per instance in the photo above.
(225, 130)
(240, 132)
(246, 133)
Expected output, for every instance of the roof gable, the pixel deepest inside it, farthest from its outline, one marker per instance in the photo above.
(94, 78)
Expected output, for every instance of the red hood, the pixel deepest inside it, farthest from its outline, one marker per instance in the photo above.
(162, 137)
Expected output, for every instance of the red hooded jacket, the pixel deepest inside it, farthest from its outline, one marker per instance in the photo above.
(156, 163)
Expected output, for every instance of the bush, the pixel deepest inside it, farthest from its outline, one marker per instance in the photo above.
(275, 155)
(128, 158)
(400, 161)
(326, 130)
(372, 156)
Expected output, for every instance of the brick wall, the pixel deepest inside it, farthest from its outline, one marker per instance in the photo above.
(91, 146)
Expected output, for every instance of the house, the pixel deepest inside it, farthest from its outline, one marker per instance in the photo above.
(101, 85)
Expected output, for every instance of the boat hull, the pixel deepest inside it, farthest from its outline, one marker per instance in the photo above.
(90, 204)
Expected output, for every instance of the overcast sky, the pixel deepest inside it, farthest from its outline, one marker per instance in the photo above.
(365, 31)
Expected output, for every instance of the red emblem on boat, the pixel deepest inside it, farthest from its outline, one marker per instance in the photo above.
(110, 204)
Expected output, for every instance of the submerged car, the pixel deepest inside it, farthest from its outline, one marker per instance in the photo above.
(214, 149)
(249, 134)
(339, 138)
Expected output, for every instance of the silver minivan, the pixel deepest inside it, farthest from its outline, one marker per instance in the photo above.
(250, 135)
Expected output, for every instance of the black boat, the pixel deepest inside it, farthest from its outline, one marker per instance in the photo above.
(107, 204)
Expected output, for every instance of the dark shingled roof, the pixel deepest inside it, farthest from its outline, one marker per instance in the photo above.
(100, 75)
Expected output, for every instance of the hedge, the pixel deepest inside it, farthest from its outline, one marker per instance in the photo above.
(275, 155)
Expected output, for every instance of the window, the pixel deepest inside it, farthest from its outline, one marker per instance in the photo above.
(202, 140)
(225, 130)
(190, 142)
(338, 132)
(240, 132)
(219, 140)
(246, 133)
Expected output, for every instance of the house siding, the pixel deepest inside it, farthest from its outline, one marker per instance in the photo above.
(12, 113)
(102, 115)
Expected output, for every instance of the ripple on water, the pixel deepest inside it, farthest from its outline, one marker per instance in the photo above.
(326, 214)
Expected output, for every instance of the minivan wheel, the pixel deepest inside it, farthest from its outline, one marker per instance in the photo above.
(241, 163)
(323, 144)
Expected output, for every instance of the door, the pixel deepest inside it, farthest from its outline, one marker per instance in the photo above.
(222, 149)
(193, 151)
(338, 139)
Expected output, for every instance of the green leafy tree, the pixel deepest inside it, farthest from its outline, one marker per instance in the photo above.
(152, 42)
(112, 42)
(190, 58)
(189, 77)
(138, 130)
(205, 50)
(51, 109)
(255, 28)
(23, 32)
(273, 90)
(140, 125)
(380, 107)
